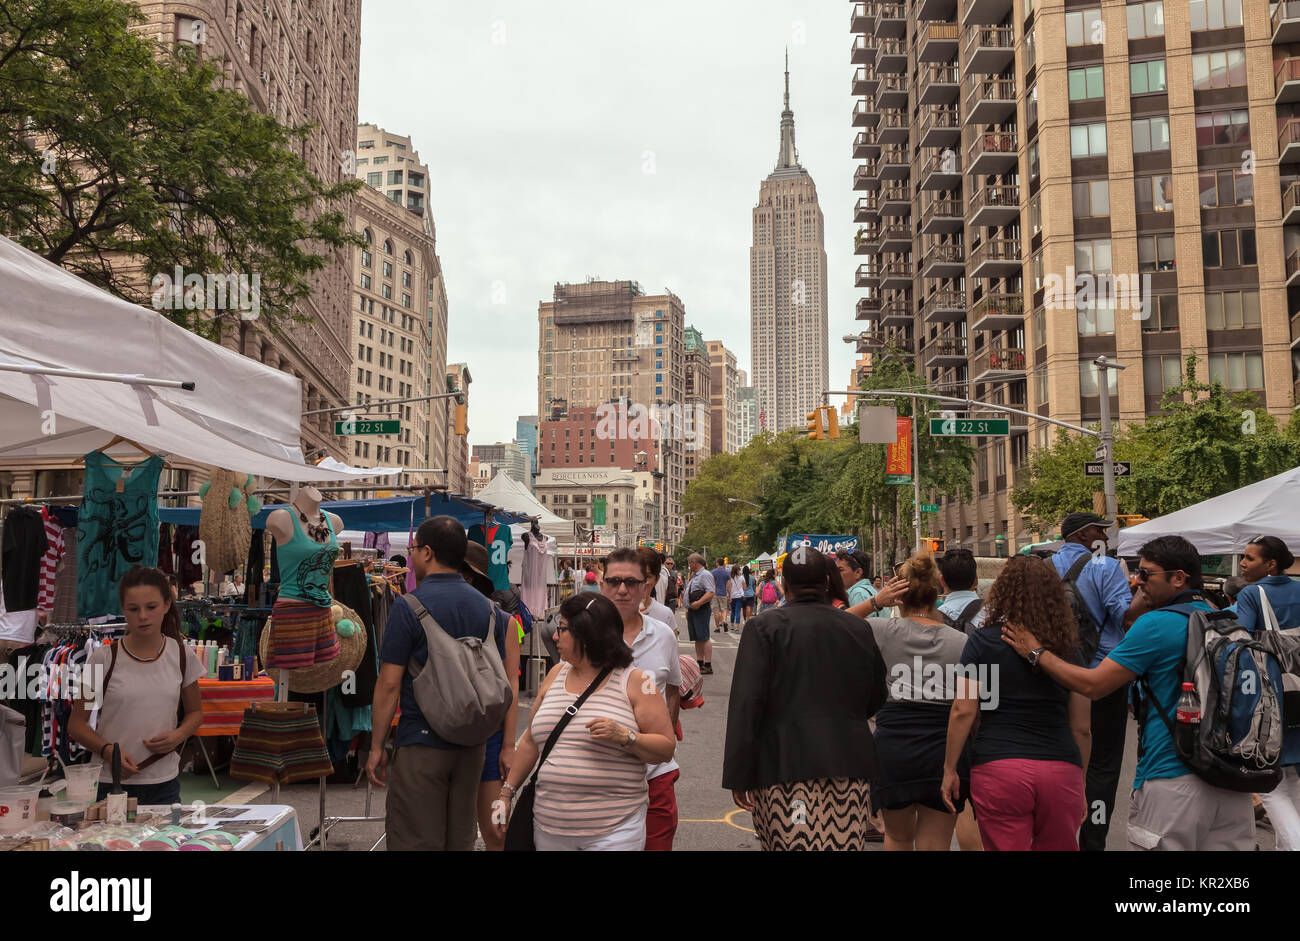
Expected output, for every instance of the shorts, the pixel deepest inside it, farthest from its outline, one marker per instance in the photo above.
(1186, 813)
(719, 604)
(492, 757)
(280, 747)
(697, 625)
(302, 634)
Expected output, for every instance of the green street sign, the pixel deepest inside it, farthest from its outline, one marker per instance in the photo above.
(949, 427)
(929, 508)
(898, 478)
(367, 427)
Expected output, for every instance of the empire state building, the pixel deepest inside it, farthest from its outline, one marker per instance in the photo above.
(787, 290)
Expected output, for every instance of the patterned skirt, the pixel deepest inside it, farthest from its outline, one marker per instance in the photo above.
(302, 634)
(281, 747)
(823, 814)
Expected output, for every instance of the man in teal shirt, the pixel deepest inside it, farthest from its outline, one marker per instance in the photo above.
(1172, 808)
(855, 569)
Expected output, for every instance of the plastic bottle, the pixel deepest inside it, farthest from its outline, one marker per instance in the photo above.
(1187, 723)
(212, 661)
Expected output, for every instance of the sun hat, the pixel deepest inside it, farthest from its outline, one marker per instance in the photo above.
(322, 676)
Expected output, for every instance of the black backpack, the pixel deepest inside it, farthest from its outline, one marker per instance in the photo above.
(968, 614)
(1089, 629)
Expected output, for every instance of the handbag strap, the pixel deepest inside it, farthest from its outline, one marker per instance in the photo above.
(569, 713)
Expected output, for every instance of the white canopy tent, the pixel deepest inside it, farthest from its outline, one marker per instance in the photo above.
(241, 414)
(509, 494)
(1223, 525)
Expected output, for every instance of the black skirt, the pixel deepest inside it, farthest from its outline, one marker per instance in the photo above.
(911, 740)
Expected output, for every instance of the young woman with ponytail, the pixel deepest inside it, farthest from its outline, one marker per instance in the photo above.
(140, 685)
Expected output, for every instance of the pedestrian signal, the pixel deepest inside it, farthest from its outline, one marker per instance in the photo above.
(832, 424)
(815, 425)
(462, 420)
(933, 546)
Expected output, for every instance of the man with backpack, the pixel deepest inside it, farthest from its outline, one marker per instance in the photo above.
(1173, 808)
(435, 773)
(962, 608)
(1097, 587)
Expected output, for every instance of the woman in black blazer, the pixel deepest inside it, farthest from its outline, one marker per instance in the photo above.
(799, 750)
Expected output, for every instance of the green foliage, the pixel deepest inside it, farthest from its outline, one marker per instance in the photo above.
(118, 154)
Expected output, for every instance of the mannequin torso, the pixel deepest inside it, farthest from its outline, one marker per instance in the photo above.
(306, 503)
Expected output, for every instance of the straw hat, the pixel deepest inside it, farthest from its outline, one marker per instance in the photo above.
(322, 676)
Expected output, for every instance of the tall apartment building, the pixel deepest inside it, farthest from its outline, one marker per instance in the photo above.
(604, 342)
(391, 165)
(1015, 151)
(787, 289)
(456, 446)
(699, 403)
(746, 410)
(526, 435)
(505, 457)
(723, 383)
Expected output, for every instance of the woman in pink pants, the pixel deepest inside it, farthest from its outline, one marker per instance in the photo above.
(1030, 753)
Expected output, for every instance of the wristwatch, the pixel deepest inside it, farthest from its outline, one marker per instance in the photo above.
(631, 739)
(1034, 655)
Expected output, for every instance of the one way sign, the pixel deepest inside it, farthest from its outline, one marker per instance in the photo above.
(1098, 469)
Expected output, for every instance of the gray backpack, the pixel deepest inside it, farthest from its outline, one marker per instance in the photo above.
(462, 689)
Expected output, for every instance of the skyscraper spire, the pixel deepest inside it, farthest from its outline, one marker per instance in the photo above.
(789, 155)
(787, 78)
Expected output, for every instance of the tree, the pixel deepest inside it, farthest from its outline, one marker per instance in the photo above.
(122, 154)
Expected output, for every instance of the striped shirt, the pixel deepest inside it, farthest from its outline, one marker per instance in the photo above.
(587, 787)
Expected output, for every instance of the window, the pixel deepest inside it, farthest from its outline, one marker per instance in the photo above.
(1088, 140)
(375, 179)
(386, 290)
(1161, 373)
(1156, 253)
(1218, 69)
(379, 161)
(1040, 385)
(406, 278)
(1091, 198)
(365, 282)
(394, 177)
(1226, 188)
(1146, 78)
(406, 300)
(1162, 314)
(1154, 193)
(1090, 383)
(1150, 134)
(1214, 14)
(1097, 320)
(1086, 83)
(1031, 105)
(1232, 310)
(1033, 162)
(1092, 256)
(388, 269)
(1083, 27)
(1146, 20)
(1228, 248)
(1215, 128)
(366, 258)
(1036, 215)
(1238, 371)
(1036, 268)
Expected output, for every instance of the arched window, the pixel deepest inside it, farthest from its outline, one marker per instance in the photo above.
(406, 257)
(369, 238)
(388, 246)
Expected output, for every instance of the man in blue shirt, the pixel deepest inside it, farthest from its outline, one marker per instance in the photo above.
(1172, 808)
(1104, 589)
(957, 570)
(855, 570)
(434, 784)
(721, 597)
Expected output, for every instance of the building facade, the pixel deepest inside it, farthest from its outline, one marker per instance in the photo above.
(526, 435)
(746, 411)
(723, 381)
(698, 413)
(628, 503)
(1043, 184)
(505, 457)
(787, 274)
(456, 446)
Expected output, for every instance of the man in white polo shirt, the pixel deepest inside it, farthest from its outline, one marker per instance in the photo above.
(654, 649)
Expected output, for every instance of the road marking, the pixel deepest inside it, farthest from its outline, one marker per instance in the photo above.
(726, 819)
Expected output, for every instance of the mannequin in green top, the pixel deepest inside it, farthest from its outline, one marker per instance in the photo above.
(306, 540)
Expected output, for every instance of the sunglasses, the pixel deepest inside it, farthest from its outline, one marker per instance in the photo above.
(1144, 573)
(898, 567)
(629, 582)
(559, 628)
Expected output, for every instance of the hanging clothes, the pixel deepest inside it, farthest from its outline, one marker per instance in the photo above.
(224, 523)
(117, 528)
(351, 589)
(65, 581)
(166, 559)
(497, 540)
(50, 561)
(533, 578)
(24, 545)
(255, 568)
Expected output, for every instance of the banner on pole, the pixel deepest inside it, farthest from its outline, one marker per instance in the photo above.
(898, 458)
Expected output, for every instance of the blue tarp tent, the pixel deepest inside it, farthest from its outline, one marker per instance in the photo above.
(394, 514)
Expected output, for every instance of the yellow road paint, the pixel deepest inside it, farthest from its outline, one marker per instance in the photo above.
(727, 820)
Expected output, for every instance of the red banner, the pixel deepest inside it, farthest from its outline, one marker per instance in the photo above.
(898, 458)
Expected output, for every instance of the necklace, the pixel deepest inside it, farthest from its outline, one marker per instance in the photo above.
(318, 531)
(144, 659)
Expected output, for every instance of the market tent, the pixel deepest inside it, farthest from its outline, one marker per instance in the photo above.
(240, 415)
(504, 491)
(1224, 524)
(394, 514)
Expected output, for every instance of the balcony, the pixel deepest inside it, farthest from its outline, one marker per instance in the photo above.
(1286, 22)
(626, 356)
(866, 277)
(998, 311)
(993, 206)
(892, 92)
(891, 21)
(893, 128)
(867, 241)
(944, 260)
(864, 177)
(896, 238)
(940, 127)
(896, 202)
(998, 363)
(938, 85)
(942, 215)
(935, 9)
(862, 109)
(994, 152)
(893, 164)
(867, 308)
(864, 81)
(986, 11)
(860, 21)
(989, 49)
(895, 315)
(1288, 142)
(867, 209)
(942, 171)
(1291, 205)
(897, 274)
(863, 50)
(937, 42)
(891, 57)
(989, 100)
(995, 258)
(944, 307)
(1292, 267)
(1286, 81)
(944, 352)
(865, 145)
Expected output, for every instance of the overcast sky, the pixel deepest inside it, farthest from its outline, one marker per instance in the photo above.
(576, 138)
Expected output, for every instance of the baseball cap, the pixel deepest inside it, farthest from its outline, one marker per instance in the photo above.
(590, 578)
(1077, 521)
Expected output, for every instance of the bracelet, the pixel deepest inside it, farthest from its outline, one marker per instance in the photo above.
(101, 751)
(507, 788)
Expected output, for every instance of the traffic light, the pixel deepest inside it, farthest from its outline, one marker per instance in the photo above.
(934, 546)
(462, 420)
(832, 423)
(815, 425)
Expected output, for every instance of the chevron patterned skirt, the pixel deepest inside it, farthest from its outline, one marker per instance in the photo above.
(823, 814)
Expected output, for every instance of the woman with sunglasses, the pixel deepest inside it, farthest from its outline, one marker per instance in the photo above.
(591, 790)
(1263, 564)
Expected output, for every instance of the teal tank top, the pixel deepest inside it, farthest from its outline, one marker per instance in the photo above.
(115, 529)
(306, 565)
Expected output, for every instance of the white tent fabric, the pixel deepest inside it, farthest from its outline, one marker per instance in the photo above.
(241, 415)
(1224, 524)
(509, 494)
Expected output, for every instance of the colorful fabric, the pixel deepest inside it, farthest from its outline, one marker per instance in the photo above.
(302, 634)
(116, 529)
(497, 540)
(306, 565)
(224, 703)
(280, 747)
(50, 561)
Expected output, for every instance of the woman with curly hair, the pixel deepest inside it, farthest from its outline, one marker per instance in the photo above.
(1030, 754)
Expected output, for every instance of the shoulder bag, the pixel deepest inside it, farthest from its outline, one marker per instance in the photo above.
(519, 832)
